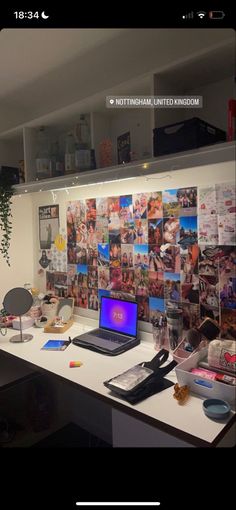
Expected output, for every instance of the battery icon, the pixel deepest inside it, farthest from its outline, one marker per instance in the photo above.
(216, 14)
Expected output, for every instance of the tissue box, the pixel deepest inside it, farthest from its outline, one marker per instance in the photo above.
(26, 322)
(201, 386)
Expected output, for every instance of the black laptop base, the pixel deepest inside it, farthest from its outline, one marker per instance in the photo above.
(119, 350)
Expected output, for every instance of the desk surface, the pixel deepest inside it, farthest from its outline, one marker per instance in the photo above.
(161, 410)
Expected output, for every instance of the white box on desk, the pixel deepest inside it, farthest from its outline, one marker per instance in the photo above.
(204, 387)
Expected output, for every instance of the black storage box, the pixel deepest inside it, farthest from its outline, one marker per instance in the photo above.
(9, 175)
(184, 136)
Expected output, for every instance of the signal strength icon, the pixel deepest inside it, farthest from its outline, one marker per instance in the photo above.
(189, 15)
(201, 14)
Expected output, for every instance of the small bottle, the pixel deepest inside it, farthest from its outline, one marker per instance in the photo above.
(43, 163)
(70, 154)
(83, 133)
(57, 163)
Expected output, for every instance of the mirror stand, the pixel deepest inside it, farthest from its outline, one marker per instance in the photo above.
(22, 337)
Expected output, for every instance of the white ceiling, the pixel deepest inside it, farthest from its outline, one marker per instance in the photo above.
(28, 54)
(44, 70)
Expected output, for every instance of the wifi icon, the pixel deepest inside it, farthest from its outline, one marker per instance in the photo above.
(201, 14)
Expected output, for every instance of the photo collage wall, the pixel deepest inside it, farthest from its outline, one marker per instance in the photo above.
(174, 246)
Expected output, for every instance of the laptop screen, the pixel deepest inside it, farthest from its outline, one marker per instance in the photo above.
(118, 315)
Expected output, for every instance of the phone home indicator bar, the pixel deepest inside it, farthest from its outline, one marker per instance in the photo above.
(117, 503)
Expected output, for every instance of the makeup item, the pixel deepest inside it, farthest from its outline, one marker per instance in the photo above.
(74, 364)
(213, 376)
(205, 364)
(174, 326)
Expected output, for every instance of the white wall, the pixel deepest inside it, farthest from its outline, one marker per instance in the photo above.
(21, 250)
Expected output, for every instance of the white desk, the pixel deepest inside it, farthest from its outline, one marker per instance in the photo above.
(176, 425)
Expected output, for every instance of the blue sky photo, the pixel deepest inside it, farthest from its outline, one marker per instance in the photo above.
(157, 304)
(189, 223)
(103, 251)
(82, 268)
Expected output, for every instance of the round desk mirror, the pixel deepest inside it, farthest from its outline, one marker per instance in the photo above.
(17, 302)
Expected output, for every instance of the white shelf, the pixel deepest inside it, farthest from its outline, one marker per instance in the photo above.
(208, 155)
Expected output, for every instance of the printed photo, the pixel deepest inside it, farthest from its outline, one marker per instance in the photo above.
(187, 198)
(190, 288)
(103, 277)
(82, 272)
(171, 230)
(155, 232)
(227, 259)
(92, 255)
(71, 234)
(156, 309)
(122, 295)
(91, 232)
(209, 292)
(81, 254)
(226, 229)
(102, 207)
(71, 274)
(128, 235)
(93, 299)
(81, 299)
(172, 286)
(115, 255)
(228, 324)
(170, 257)
(75, 212)
(171, 204)
(92, 277)
(143, 308)
(208, 229)
(113, 206)
(155, 256)
(207, 200)
(91, 212)
(127, 284)
(156, 284)
(141, 281)
(127, 258)
(102, 230)
(48, 225)
(115, 278)
(141, 256)
(50, 281)
(81, 232)
(209, 260)
(71, 254)
(103, 255)
(141, 231)
(102, 292)
(140, 201)
(226, 198)
(228, 290)
(155, 209)
(60, 284)
(191, 316)
(126, 210)
(189, 258)
(188, 230)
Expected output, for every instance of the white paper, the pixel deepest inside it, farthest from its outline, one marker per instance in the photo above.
(226, 229)
(207, 229)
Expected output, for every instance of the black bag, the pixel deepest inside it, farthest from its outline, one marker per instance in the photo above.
(143, 380)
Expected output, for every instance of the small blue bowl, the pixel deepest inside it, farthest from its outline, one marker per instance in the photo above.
(216, 408)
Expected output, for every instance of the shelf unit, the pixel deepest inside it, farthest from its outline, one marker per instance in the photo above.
(208, 73)
(208, 155)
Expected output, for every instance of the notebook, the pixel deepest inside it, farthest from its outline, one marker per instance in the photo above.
(117, 330)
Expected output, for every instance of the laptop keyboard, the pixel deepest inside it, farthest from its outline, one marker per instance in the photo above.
(108, 335)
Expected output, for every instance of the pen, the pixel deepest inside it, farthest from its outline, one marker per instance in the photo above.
(73, 364)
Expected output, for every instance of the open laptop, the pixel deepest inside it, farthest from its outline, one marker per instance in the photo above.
(117, 330)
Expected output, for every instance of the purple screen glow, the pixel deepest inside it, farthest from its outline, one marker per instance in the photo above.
(120, 316)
